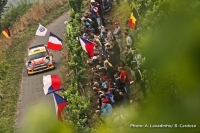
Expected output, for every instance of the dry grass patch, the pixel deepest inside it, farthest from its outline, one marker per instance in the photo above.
(35, 14)
(119, 13)
(4, 44)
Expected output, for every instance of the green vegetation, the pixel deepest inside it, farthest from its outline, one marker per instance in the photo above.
(12, 65)
(168, 38)
(77, 110)
(15, 12)
(76, 5)
(2, 6)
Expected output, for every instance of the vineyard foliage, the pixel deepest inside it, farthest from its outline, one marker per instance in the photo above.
(78, 104)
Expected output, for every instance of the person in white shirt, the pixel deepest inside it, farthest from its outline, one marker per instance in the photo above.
(128, 39)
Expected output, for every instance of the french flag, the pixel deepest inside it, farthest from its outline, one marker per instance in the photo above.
(60, 104)
(87, 46)
(51, 83)
(54, 43)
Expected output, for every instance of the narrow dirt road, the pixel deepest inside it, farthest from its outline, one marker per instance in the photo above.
(32, 94)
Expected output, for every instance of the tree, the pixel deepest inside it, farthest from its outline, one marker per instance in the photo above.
(2, 5)
(76, 5)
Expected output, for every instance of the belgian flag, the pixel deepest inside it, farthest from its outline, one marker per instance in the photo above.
(133, 18)
(6, 32)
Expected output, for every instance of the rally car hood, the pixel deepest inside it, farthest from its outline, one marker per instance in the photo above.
(38, 61)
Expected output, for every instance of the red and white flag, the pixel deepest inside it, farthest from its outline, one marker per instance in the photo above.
(51, 83)
(87, 46)
(55, 43)
(41, 31)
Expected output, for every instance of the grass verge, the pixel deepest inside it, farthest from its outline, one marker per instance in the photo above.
(15, 59)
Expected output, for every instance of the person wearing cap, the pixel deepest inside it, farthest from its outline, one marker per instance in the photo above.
(106, 108)
(118, 35)
(109, 35)
(94, 11)
(117, 31)
(68, 28)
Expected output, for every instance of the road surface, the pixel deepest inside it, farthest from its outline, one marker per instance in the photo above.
(32, 94)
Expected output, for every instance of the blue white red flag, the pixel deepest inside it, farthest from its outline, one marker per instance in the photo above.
(60, 104)
(51, 83)
(87, 45)
(54, 43)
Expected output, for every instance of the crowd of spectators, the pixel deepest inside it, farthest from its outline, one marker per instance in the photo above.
(110, 81)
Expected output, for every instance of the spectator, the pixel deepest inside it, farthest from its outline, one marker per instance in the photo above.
(129, 59)
(106, 109)
(68, 28)
(94, 11)
(129, 41)
(109, 71)
(138, 59)
(112, 59)
(124, 78)
(118, 35)
(109, 35)
(128, 50)
(120, 85)
(116, 50)
(99, 61)
(138, 75)
(118, 97)
(134, 59)
(106, 5)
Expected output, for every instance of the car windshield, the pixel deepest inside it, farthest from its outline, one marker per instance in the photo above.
(38, 55)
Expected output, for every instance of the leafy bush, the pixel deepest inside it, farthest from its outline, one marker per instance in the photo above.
(78, 104)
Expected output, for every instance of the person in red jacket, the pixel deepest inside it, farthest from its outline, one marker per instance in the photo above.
(124, 78)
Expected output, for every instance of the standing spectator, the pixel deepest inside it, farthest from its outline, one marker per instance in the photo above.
(116, 50)
(94, 11)
(138, 58)
(124, 78)
(112, 58)
(134, 61)
(109, 71)
(106, 5)
(129, 41)
(68, 28)
(109, 35)
(118, 35)
(119, 84)
(129, 58)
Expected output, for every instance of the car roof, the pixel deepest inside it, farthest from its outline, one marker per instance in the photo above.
(35, 50)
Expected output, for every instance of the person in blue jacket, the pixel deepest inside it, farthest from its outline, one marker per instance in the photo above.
(106, 109)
